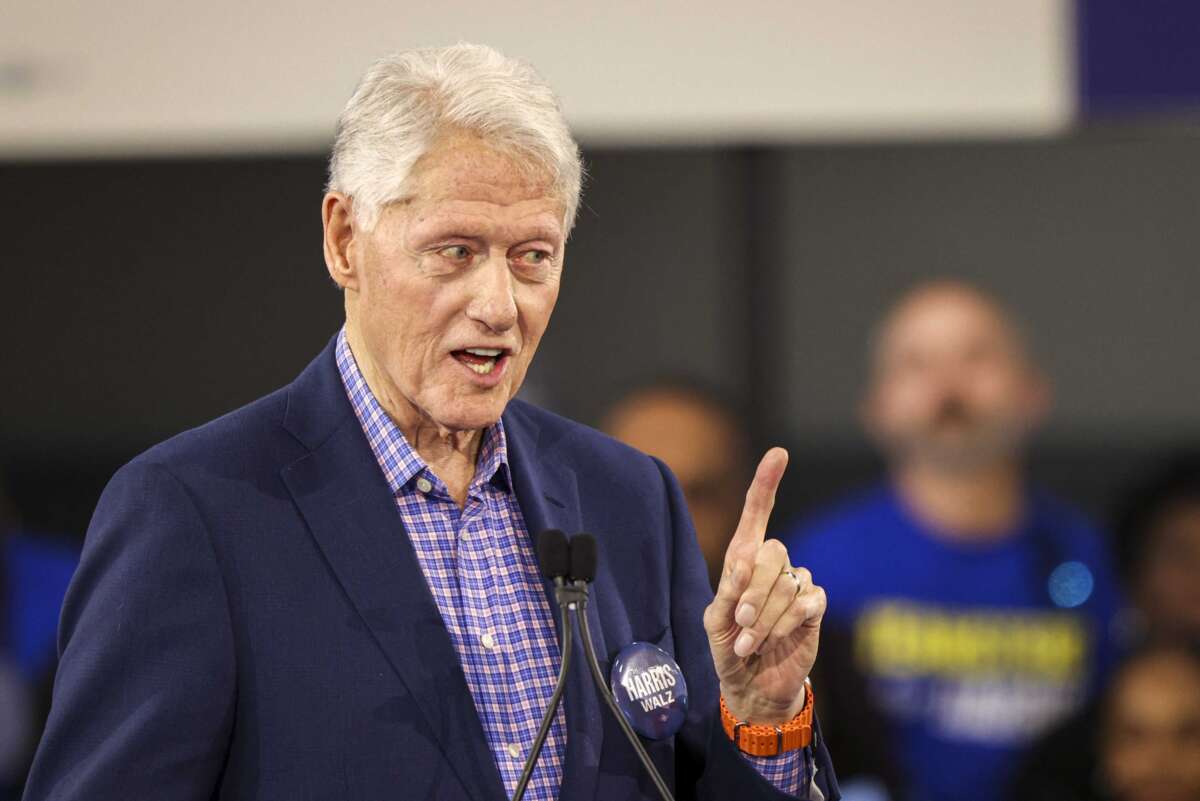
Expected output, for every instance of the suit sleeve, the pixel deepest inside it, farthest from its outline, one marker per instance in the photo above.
(708, 766)
(143, 700)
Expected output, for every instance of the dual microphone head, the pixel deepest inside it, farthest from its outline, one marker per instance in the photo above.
(573, 559)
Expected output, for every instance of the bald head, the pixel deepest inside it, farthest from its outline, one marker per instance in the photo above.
(952, 383)
(940, 309)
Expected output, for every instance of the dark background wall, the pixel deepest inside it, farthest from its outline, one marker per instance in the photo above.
(142, 298)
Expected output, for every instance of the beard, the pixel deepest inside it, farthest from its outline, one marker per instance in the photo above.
(959, 439)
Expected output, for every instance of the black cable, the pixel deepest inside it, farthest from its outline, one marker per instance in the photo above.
(602, 687)
(565, 647)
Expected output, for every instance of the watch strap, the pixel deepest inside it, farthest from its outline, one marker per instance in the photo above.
(761, 740)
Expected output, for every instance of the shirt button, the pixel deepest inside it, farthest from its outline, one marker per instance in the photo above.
(424, 484)
(489, 642)
(514, 750)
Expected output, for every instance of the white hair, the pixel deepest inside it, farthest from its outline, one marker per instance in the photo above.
(405, 100)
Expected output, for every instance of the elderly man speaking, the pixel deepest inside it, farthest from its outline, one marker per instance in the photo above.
(332, 593)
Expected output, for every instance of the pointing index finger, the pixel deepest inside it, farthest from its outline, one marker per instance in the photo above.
(760, 500)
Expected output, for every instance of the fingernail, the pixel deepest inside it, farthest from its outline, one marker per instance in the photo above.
(746, 615)
(744, 645)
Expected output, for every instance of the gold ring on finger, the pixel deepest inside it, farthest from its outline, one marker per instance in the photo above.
(795, 577)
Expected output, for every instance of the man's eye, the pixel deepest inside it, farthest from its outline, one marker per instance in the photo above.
(455, 252)
(534, 258)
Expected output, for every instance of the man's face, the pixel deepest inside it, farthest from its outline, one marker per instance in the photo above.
(702, 451)
(448, 296)
(951, 385)
(1168, 586)
(1152, 734)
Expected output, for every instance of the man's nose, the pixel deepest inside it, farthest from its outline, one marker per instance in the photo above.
(492, 301)
(946, 379)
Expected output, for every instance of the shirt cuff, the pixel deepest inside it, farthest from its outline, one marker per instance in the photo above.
(789, 772)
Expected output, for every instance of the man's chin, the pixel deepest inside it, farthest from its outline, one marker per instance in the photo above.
(966, 456)
(472, 415)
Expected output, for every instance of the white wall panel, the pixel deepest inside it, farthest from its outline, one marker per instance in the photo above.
(130, 76)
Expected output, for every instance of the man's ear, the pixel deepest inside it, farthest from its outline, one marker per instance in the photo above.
(337, 217)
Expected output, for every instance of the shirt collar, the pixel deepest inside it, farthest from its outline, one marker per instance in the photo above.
(400, 463)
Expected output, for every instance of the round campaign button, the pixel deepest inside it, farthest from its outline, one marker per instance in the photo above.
(650, 690)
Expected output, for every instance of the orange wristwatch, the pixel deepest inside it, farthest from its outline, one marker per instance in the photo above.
(758, 740)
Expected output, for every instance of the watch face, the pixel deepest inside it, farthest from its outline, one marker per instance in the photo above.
(650, 690)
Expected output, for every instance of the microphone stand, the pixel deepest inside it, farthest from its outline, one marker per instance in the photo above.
(567, 596)
(606, 694)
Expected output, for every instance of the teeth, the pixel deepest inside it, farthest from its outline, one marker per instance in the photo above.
(492, 352)
(483, 369)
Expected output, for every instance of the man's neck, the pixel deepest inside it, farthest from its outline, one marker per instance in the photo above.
(978, 505)
(450, 455)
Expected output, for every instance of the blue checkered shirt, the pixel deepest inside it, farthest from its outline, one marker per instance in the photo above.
(484, 578)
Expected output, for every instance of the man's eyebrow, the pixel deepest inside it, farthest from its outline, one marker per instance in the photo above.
(549, 233)
(447, 227)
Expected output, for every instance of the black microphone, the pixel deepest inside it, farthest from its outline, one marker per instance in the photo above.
(553, 552)
(583, 558)
(583, 570)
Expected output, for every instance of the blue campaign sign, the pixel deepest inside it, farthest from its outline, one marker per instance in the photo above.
(1138, 57)
(650, 690)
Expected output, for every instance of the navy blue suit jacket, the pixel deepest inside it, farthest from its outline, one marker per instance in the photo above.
(249, 621)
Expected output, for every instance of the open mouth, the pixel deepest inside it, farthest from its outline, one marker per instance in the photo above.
(482, 361)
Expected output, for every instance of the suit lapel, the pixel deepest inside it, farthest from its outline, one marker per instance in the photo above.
(349, 509)
(549, 498)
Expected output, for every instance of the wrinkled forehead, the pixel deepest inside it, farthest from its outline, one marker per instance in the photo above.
(464, 167)
(946, 318)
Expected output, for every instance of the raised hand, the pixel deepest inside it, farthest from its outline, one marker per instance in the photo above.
(764, 622)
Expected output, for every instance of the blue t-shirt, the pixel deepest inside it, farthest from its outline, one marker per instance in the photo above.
(970, 650)
(37, 572)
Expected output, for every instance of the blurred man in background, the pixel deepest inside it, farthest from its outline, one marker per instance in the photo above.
(702, 438)
(976, 607)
